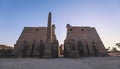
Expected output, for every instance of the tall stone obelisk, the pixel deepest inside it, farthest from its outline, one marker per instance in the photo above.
(48, 52)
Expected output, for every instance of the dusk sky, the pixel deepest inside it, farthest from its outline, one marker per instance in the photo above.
(104, 15)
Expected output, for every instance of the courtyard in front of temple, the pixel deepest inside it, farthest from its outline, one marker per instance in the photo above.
(61, 63)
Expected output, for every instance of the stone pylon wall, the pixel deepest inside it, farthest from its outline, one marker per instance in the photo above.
(86, 42)
(36, 41)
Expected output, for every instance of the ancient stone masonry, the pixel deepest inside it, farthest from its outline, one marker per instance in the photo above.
(42, 42)
(83, 41)
(37, 42)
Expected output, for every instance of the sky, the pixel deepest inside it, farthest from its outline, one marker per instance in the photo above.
(104, 15)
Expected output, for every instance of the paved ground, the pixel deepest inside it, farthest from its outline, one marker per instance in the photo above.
(61, 63)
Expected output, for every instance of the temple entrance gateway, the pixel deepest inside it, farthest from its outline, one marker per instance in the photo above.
(42, 42)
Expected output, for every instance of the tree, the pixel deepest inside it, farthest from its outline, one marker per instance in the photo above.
(118, 45)
(108, 49)
(114, 49)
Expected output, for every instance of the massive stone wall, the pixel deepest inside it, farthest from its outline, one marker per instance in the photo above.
(34, 41)
(83, 41)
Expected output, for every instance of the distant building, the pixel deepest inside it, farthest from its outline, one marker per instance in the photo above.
(5, 51)
(83, 41)
(5, 47)
(61, 49)
(37, 41)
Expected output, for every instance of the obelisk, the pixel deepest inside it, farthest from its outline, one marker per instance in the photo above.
(48, 53)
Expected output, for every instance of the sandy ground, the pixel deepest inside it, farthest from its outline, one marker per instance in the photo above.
(61, 63)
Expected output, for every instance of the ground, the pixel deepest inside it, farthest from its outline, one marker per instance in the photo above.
(61, 63)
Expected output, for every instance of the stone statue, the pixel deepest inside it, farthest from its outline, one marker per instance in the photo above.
(80, 48)
(55, 49)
